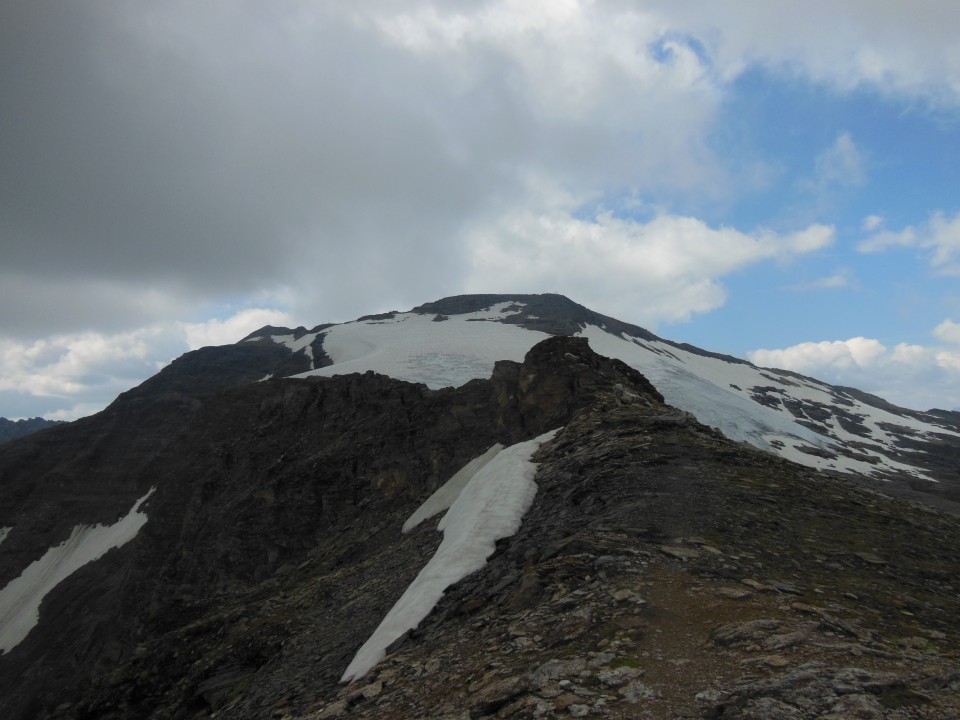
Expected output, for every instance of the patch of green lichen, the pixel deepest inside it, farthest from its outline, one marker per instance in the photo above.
(901, 697)
(624, 661)
(236, 691)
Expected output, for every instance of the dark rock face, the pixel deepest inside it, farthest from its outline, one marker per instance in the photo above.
(549, 313)
(664, 571)
(263, 481)
(217, 368)
(552, 314)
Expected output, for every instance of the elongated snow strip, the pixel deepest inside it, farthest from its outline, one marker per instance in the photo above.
(447, 493)
(20, 599)
(4, 531)
(490, 507)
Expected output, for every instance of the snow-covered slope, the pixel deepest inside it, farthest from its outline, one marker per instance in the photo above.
(419, 348)
(20, 599)
(799, 418)
(490, 504)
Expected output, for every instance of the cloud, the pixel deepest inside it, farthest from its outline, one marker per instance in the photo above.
(840, 165)
(948, 332)
(840, 279)
(847, 44)
(79, 373)
(66, 365)
(197, 151)
(175, 154)
(805, 357)
(878, 242)
(663, 270)
(231, 330)
(911, 375)
(944, 240)
(939, 237)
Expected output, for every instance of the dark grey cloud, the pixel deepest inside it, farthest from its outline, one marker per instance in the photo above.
(216, 150)
(175, 161)
(208, 150)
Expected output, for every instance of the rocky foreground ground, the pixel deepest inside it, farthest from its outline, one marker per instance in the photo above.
(667, 573)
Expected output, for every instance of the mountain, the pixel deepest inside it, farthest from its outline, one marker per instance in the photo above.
(456, 339)
(10, 429)
(630, 528)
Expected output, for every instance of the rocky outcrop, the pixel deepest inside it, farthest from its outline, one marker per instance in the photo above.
(663, 571)
(259, 487)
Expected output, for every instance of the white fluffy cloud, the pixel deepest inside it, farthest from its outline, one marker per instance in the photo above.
(75, 374)
(939, 238)
(814, 356)
(80, 373)
(847, 43)
(662, 270)
(911, 375)
(948, 331)
(230, 330)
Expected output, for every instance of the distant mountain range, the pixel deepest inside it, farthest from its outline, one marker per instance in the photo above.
(10, 429)
(489, 506)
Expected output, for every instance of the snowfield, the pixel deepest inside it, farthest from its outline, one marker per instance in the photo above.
(494, 494)
(20, 599)
(419, 349)
(301, 345)
(720, 393)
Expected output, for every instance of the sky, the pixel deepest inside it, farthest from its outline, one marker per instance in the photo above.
(777, 181)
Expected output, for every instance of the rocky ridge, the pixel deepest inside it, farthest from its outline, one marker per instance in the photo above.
(663, 571)
(794, 416)
(12, 429)
(259, 488)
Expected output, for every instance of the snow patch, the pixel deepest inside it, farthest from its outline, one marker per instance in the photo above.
(446, 494)
(701, 386)
(490, 506)
(719, 393)
(4, 531)
(20, 599)
(415, 348)
(297, 345)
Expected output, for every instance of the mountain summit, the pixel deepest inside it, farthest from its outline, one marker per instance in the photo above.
(488, 506)
(454, 340)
